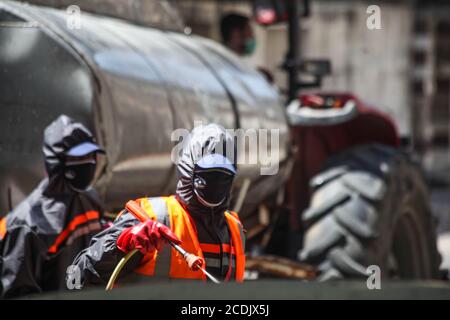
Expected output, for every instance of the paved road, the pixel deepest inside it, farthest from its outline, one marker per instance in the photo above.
(268, 290)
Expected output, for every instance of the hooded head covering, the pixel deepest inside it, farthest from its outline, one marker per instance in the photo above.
(61, 138)
(201, 150)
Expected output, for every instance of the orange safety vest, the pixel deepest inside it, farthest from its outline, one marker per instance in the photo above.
(168, 210)
(2, 227)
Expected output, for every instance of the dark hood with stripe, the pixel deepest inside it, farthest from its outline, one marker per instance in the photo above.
(47, 229)
(203, 140)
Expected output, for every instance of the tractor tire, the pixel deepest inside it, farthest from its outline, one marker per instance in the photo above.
(369, 206)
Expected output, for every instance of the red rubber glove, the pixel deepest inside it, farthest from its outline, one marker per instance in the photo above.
(146, 237)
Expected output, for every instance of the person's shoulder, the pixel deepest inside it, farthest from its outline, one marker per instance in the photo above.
(233, 213)
(153, 198)
(234, 216)
(26, 210)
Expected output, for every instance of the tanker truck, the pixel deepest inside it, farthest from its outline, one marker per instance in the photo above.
(344, 196)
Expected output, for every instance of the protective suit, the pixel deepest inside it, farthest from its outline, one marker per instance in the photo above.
(197, 216)
(43, 234)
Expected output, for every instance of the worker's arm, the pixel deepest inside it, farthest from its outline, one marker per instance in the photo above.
(23, 256)
(97, 262)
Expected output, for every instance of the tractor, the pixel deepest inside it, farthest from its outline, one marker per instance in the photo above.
(355, 198)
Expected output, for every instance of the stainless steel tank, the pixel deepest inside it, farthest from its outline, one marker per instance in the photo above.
(132, 86)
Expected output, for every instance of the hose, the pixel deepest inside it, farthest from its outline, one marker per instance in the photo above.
(119, 268)
(138, 212)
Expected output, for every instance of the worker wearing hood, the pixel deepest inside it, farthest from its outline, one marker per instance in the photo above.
(42, 235)
(196, 218)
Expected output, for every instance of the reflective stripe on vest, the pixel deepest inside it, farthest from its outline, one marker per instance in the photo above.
(169, 262)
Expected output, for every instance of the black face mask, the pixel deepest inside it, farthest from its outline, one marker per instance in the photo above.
(81, 175)
(212, 186)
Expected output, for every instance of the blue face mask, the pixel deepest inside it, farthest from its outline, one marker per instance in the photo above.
(250, 46)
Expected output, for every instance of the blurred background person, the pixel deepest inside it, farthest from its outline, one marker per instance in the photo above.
(43, 234)
(237, 34)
